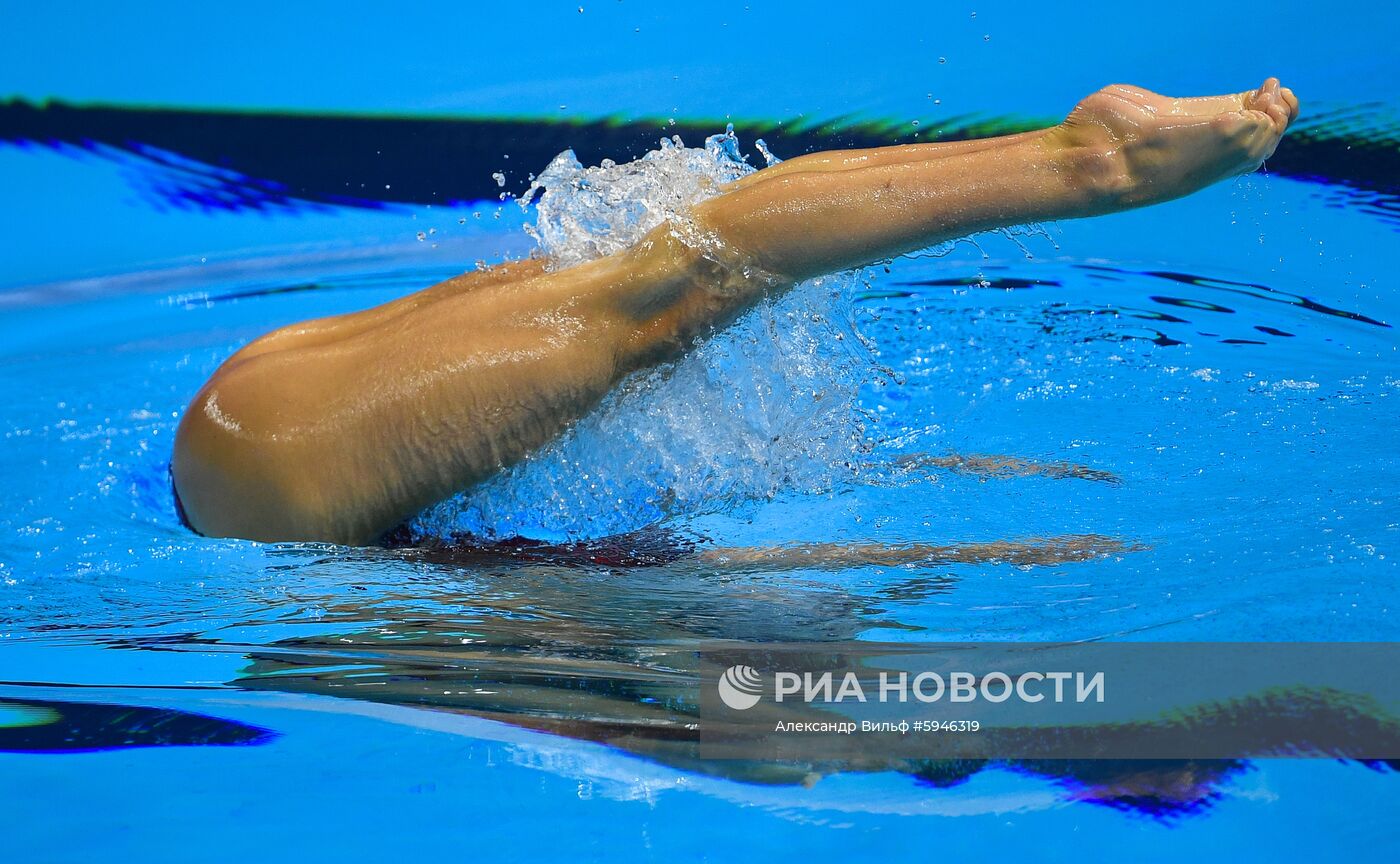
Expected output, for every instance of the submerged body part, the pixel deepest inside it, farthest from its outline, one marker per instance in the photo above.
(339, 429)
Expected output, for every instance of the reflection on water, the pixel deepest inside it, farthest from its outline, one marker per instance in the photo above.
(607, 654)
(53, 726)
(1211, 286)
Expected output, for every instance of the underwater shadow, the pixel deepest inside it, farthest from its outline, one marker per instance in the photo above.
(600, 643)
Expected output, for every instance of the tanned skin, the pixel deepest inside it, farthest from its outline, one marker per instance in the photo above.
(339, 429)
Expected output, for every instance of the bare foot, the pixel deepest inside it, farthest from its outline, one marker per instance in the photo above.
(1141, 147)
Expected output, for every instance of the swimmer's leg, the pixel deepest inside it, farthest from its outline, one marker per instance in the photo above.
(835, 556)
(656, 546)
(1122, 147)
(998, 467)
(845, 160)
(340, 435)
(848, 160)
(322, 331)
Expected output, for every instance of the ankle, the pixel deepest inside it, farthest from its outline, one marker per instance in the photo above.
(1095, 166)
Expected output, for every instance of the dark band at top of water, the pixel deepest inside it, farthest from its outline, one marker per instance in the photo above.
(371, 161)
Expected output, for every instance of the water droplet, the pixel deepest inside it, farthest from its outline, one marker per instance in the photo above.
(987, 37)
(499, 178)
(916, 122)
(768, 156)
(942, 59)
(422, 236)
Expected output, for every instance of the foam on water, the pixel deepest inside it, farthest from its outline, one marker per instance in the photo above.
(586, 213)
(770, 404)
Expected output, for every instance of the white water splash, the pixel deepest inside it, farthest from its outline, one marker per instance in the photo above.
(586, 213)
(769, 405)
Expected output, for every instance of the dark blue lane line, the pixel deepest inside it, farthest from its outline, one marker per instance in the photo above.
(221, 159)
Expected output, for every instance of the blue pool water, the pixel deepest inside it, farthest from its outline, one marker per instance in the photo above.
(1231, 358)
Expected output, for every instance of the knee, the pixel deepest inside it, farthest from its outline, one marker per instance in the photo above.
(233, 473)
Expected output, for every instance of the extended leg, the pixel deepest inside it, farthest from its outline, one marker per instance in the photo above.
(660, 547)
(320, 331)
(849, 160)
(341, 429)
(987, 466)
(837, 556)
(1121, 148)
